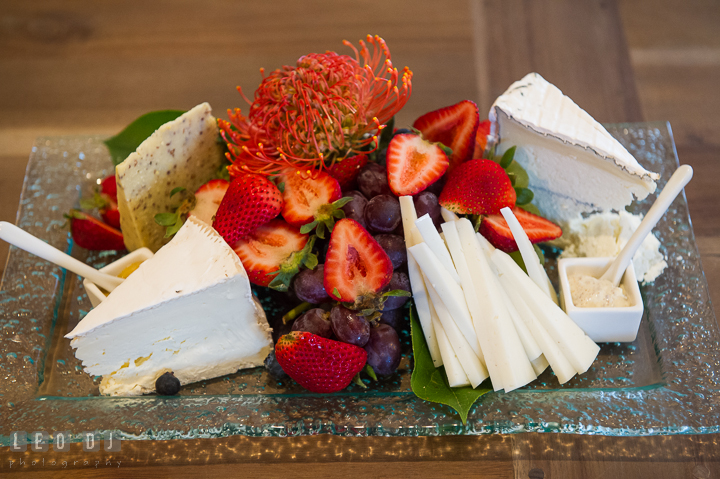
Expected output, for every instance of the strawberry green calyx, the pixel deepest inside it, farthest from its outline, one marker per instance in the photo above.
(291, 266)
(325, 217)
(98, 201)
(174, 221)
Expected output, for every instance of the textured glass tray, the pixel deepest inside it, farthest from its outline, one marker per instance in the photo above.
(666, 382)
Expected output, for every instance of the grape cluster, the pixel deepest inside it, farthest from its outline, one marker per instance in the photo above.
(377, 209)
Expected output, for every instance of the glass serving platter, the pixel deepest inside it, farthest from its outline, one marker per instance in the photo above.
(666, 382)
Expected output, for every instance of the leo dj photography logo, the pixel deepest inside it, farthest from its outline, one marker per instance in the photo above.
(39, 441)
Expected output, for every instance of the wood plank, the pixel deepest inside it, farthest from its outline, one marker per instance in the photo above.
(578, 46)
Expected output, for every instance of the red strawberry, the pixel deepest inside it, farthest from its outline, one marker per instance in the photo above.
(538, 229)
(106, 205)
(306, 193)
(455, 127)
(479, 187)
(209, 196)
(109, 187)
(264, 250)
(250, 201)
(413, 164)
(346, 170)
(93, 234)
(318, 364)
(111, 215)
(355, 264)
(481, 138)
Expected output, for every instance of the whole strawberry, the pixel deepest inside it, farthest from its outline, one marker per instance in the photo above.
(319, 365)
(250, 201)
(478, 187)
(346, 171)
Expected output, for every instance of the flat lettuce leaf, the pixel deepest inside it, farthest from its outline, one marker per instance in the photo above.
(127, 141)
(431, 383)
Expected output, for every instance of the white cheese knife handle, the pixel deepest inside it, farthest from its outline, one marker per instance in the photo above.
(25, 241)
(674, 186)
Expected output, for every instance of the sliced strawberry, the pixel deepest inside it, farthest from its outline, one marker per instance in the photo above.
(91, 233)
(355, 264)
(250, 201)
(111, 214)
(481, 138)
(479, 187)
(318, 364)
(108, 186)
(306, 193)
(266, 249)
(345, 171)
(538, 229)
(106, 205)
(413, 164)
(208, 198)
(455, 127)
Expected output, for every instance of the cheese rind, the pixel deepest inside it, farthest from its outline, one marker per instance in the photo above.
(575, 166)
(189, 309)
(181, 153)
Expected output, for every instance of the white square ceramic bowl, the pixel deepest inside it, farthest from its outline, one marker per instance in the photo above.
(602, 324)
(94, 293)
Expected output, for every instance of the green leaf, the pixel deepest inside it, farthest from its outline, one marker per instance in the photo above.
(166, 219)
(370, 372)
(508, 157)
(127, 141)
(320, 230)
(517, 257)
(541, 255)
(305, 229)
(177, 190)
(336, 293)
(342, 201)
(311, 261)
(524, 196)
(174, 228)
(517, 172)
(398, 292)
(531, 208)
(281, 187)
(431, 384)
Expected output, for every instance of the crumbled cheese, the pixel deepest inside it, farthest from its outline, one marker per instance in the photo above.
(605, 235)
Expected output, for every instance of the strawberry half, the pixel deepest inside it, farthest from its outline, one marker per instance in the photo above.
(305, 194)
(318, 364)
(90, 233)
(208, 198)
(481, 138)
(109, 187)
(250, 201)
(455, 127)
(413, 164)
(538, 229)
(479, 187)
(106, 205)
(355, 264)
(345, 171)
(264, 251)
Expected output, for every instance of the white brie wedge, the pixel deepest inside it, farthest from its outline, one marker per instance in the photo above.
(575, 166)
(188, 309)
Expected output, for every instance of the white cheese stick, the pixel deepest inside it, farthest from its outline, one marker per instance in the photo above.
(469, 361)
(498, 333)
(540, 364)
(448, 215)
(577, 347)
(449, 291)
(485, 245)
(530, 258)
(558, 362)
(417, 286)
(433, 239)
(453, 242)
(530, 346)
(455, 373)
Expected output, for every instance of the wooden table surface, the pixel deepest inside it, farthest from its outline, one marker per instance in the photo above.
(69, 67)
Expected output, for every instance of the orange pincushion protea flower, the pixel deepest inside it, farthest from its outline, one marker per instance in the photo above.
(326, 108)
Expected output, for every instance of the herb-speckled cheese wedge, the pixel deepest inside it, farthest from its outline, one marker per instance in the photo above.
(181, 153)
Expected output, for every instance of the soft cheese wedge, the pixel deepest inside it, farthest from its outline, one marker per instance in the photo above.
(181, 153)
(188, 309)
(575, 166)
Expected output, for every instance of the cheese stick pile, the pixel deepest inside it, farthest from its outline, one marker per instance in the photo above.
(481, 315)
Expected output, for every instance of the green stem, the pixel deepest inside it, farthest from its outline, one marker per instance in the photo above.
(296, 311)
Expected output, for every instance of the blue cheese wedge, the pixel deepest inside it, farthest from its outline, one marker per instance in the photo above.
(181, 153)
(188, 309)
(575, 166)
